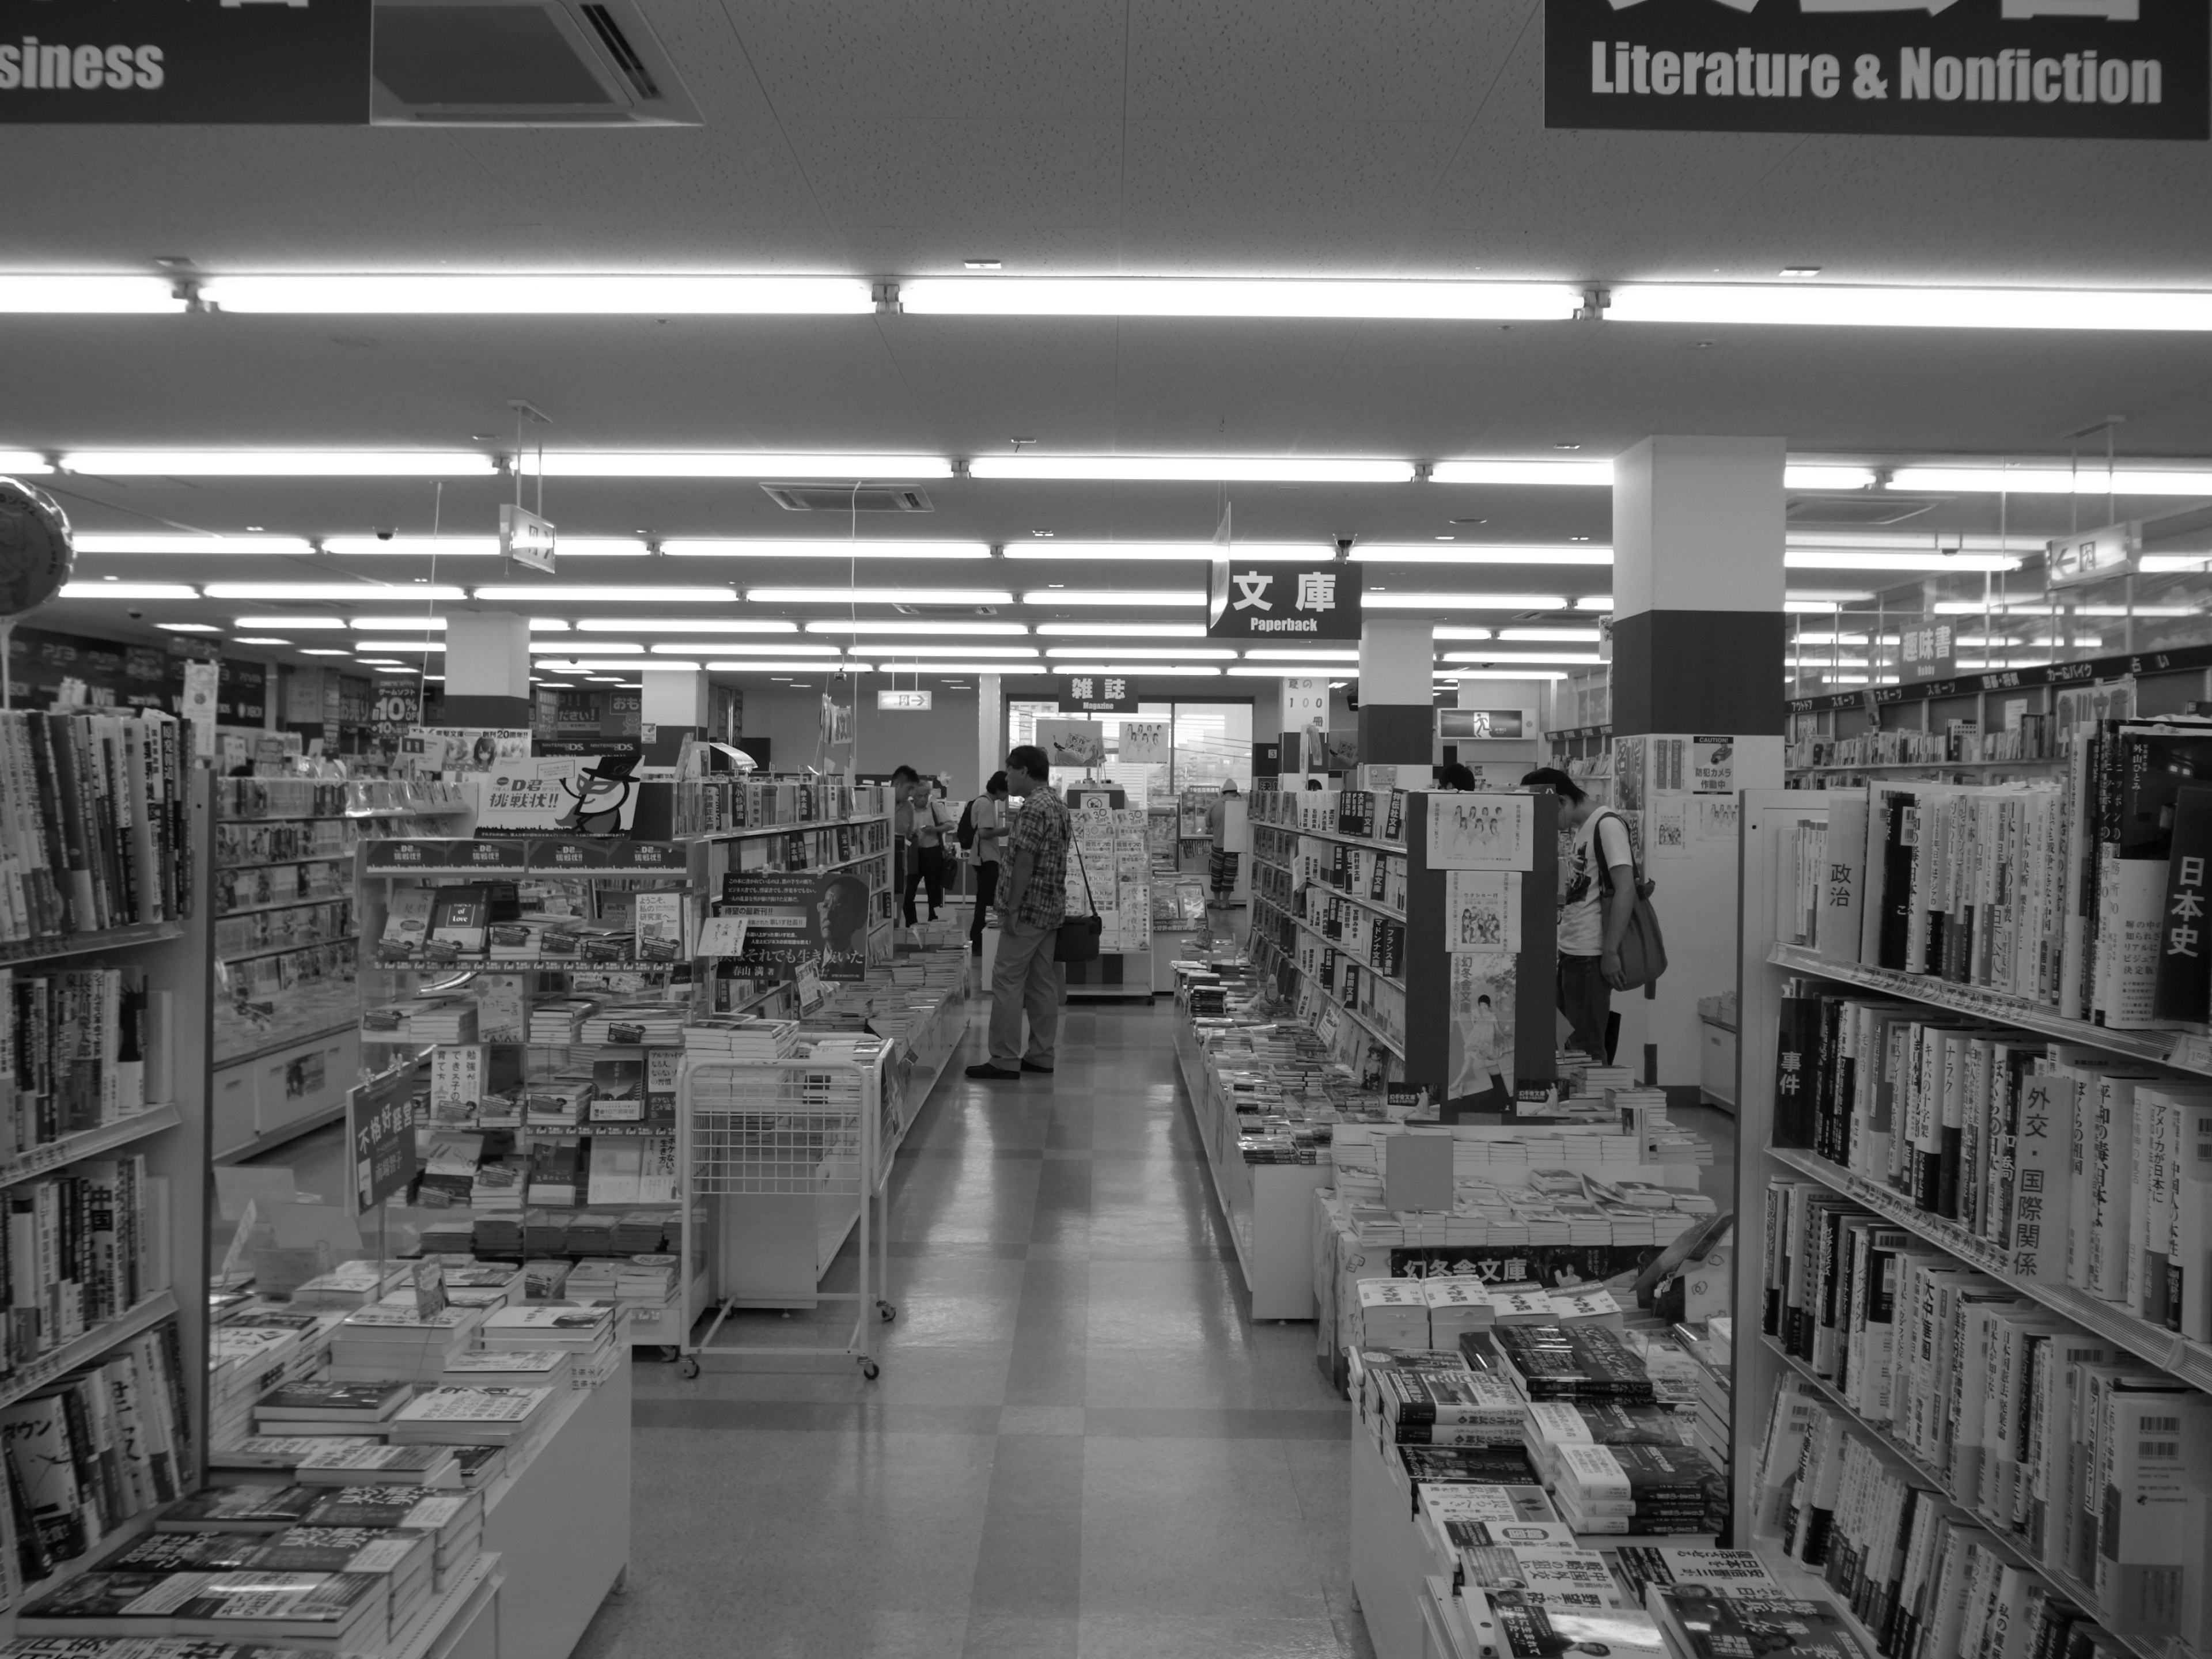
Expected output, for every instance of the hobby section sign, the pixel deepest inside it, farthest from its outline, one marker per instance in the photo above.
(2004, 69)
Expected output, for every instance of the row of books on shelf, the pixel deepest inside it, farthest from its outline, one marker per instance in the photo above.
(325, 922)
(536, 1234)
(2053, 1162)
(1376, 811)
(92, 829)
(708, 805)
(1376, 876)
(72, 1052)
(1368, 939)
(2055, 1437)
(2086, 896)
(1959, 740)
(293, 883)
(80, 1248)
(550, 1174)
(323, 797)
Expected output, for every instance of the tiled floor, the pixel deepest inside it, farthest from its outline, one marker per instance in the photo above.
(1078, 1445)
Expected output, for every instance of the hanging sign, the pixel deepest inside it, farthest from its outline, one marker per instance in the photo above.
(1997, 68)
(1098, 693)
(2110, 552)
(524, 539)
(1930, 652)
(912, 702)
(381, 1130)
(1305, 701)
(1293, 602)
(301, 63)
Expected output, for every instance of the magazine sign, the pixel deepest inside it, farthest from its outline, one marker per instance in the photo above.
(1293, 602)
(380, 1133)
(1992, 68)
(302, 63)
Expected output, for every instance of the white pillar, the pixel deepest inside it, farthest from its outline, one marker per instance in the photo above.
(487, 668)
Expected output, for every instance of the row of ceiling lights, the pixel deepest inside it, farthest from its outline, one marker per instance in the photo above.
(576, 593)
(1797, 303)
(2046, 477)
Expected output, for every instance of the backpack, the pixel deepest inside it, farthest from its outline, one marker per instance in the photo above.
(965, 834)
(1643, 947)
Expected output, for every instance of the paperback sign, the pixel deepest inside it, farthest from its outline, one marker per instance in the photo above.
(1285, 601)
(2004, 69)
(303, 62)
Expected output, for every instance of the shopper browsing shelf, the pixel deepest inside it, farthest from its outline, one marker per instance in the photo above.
(982, 834)
(903, 781)
(1597, 899)
(1032, 901)
(1221, 862)
(924, 833)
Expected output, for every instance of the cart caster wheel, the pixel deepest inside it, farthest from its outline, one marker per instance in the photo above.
(870, 1370)
(688, 1368)
(888, 1310)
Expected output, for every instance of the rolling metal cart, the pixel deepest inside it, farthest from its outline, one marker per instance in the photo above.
(769, 1140)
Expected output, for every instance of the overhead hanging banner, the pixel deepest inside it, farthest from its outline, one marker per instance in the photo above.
(1293, 602)
(1997, 68)
(304, 62)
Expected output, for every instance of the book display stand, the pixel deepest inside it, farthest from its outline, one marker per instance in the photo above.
(1111, 846)
(1977, 1320)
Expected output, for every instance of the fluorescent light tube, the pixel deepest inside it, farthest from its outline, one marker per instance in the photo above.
(570, 647)
(1474, 553)
(31, 293)
(2047, 480)
(1156, 552)
(1165, 653)
(1825, 597)
(1130, 630)
(1467, 634)
(296, 623)
(419, 547)
(425, 646)
(1504, 674)
(323, 651)
(876, 596)
(343, 592)
(728, 464)
(1253, 670)
(1312, 654)
(127, 591)
(964, 629)
(780, 648)
(1193, 469)
(395, 625)
(819, 548)
(794, 667)
(1464, 602)
(678, 625)
(1058, 596)
(379, 662)
(1155, 669)
(24, 462)
(94, 542)
(1587, 473)
(542, 293)
(280, 463)
(1815, 476)
(1817, 305)
(1845, 558)
(628, 665)
(1532, 656)
(394, 668)
(1563, 636)
(601, 547)
(257, 639)
(2156, 564)
(886, 649)
(189, 628)
(560, 625)
(1236, 296)
(567, 593)
(1593, 602)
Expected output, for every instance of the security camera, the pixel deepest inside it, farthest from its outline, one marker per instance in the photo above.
(1343, 547)
(135, 615)
(384, 535)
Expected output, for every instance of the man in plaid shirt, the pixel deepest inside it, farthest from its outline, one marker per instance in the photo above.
(1032, 900)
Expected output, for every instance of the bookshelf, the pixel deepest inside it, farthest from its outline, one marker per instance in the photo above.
(169, 1133)
(1772, 822)
(286, 1044)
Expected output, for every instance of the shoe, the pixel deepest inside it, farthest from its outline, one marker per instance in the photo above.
(1031, 1065)
(990, 1073)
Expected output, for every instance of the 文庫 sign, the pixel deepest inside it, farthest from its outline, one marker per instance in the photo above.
(1294, 602)
(2022, 69)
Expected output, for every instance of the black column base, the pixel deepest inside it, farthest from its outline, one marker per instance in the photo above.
(1396, 734)
(1699, 671)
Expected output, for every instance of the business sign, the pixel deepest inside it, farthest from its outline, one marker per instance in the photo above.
(380, 1133)
(524, 539)
(302, 63)
(1291, 602)
(912, 702)
(2110, 552)
(1098, 693)
(1928, 653)
(2001, 69)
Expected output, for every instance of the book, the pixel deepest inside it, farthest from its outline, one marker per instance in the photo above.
(1704, 1622)
(406, 923)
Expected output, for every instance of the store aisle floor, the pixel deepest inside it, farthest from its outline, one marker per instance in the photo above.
(1080, 1445)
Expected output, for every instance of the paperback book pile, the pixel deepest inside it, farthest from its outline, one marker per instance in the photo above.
(339, 1460)
(1552, 1425)
(266, 1510)
(585, 1334)
(404, 1561)
(1393, 1312)
(321, 1408)
(741, 1037)
(447, 1019)
(634, 1024)
(453, 1414)
(1434, 1399)
(1554, 1362)
(246, 1359)
(554, 1023)
(1548, 1574)
(348, 1284)
(320, 1612)
(396, 1344)
(509, 1368)
(450, 1233)
(453, 1520)
(1712, 1621)
(1639, 1489)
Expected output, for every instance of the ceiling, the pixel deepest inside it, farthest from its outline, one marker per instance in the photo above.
(1385, 137)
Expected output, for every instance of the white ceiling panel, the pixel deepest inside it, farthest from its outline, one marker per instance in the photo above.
(962, 171)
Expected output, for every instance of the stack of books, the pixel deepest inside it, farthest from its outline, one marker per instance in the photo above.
(449, 1177)
(348, 1284)
(267, 1509)
(1457, 1306)
(586, 1335)
(1393, 1312)
(1553, 1424)
(1642, 1566)
(594, 1279)
(338, 1460)
(483, 1283)
(317, 1612)
(648, 1024)
(329, 1407)
(498, 1235)
(454, 1520)
(396, 1344)
(593, 1233)
(1446, 1404)
(650, 1279)
(496, 1189)
(455, 1414)
(245, 1361)
(740, 1037)
(546, 1278)
(640, 1232)
(1701, 1619)
(554, 1024)
(557, 1104)
(1553, 1362)
(404, 1561)
(446, 1020)
(552, 1177)
(509, 1368)
(1639, 1490)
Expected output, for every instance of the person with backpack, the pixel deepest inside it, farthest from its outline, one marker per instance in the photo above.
(1597, 901)
(982, 833)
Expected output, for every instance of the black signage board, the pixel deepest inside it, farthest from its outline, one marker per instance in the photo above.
(1291, 603)
(186, 63)
(1996, 68)
(2089, 670)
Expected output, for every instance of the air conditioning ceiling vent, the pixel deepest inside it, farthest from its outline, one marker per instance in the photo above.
(523, 62)
(1860, 508)
(834, 498)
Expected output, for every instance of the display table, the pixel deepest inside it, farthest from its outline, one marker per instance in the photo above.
(560, 1524)
(1268, 1206)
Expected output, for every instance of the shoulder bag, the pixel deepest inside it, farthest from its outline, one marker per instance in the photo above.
(1079, 936)
(1643, 947)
